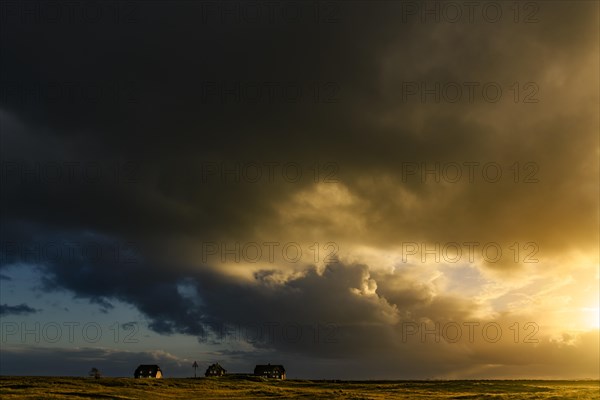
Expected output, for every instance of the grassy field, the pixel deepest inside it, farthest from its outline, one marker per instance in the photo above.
(257, 388)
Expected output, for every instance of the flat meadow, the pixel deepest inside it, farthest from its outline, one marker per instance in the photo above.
(249, 387)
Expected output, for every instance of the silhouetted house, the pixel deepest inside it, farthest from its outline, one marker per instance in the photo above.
(270, 371)
(215, 370)
(148, 371)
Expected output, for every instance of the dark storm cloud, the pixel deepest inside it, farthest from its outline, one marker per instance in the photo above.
(108, 130)
(20, 309)
(162, 136)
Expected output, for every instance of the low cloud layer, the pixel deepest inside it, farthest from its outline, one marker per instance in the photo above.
(20, 309)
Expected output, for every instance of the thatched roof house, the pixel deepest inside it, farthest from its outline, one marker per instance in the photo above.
(148, 371)
(270, 371)
(215, 370)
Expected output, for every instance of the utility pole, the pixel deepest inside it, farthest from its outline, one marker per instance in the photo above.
(195, 365)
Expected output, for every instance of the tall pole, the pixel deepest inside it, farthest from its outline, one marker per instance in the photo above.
(195, 365)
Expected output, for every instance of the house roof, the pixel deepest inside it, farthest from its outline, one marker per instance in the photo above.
(261, 368)
(149, 367)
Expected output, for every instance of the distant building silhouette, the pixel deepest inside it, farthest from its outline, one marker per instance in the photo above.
(148, 371)
(270, 371)
(215, 370)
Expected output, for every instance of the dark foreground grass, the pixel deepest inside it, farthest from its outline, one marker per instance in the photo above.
(236, 387)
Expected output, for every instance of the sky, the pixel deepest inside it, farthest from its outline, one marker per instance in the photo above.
(355, 190)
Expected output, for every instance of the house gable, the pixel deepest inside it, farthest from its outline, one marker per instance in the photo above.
(215, 370)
